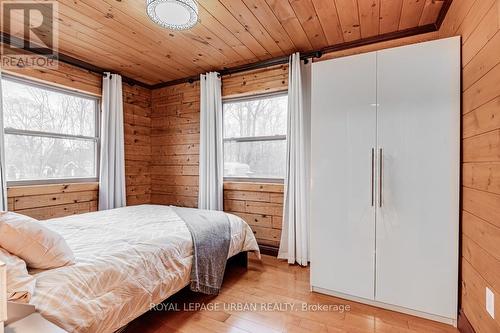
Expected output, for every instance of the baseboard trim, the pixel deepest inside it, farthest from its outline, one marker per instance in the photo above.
(268, 250)
(464, 325)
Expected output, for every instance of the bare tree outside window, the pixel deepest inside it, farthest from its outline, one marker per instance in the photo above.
(50, 133)
(255, 137)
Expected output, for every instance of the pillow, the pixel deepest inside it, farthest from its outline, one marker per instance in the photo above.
(20, 285)
(37, 245)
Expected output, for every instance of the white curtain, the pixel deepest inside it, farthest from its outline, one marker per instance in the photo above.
(3, 186)
(112, 171)
(211, 158)
(294, 245)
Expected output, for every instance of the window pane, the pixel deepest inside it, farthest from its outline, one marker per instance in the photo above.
(260, 117)
(258, 159)
(28, 107)
(30, 158)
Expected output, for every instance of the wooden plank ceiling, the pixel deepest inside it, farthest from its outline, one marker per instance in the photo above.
(117, 34)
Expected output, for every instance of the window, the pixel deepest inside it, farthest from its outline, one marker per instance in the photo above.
(255, 137)
(51, 135)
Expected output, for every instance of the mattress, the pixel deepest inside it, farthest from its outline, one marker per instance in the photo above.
(126, 260)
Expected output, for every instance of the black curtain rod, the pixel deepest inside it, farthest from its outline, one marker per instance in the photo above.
(243, 68)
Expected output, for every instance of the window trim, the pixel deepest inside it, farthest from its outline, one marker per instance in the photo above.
(38, 134)
(96, 139)
(256, 138)
(264, 138)
(51, 181)
(254, 96)
(255, 180)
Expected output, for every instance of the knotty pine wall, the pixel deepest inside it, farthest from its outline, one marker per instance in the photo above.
(260, 81)
(137, 127)
(478, 22)
(64, 76)
(49, 201)
(260, 205)
(175, 149)
(175, 139)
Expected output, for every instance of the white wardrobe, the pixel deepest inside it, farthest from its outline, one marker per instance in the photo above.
(385, 178)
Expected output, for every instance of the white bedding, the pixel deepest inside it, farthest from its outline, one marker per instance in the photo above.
(126, 259)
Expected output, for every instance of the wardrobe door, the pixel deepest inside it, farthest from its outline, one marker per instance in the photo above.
(418, 128)
(342, 207)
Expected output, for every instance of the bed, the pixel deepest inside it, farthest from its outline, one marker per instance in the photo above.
(127, 260)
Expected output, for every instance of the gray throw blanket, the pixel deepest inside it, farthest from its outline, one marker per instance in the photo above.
(211, 234)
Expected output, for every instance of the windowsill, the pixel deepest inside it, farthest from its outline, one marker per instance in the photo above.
(49, 182)
(254, 180)
(92, 184)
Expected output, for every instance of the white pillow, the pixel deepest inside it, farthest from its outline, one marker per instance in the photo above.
(20, 285)
(37, 245)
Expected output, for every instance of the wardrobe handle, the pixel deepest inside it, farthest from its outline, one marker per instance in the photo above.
(381, 172)
(373, 177)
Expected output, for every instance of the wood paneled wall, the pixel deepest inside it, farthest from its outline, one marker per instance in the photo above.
(260, 81)
(478, 22)
(48, 201)
(64, 76)
(137, 118)
(175, 145)
(67, 199)
(260, 205)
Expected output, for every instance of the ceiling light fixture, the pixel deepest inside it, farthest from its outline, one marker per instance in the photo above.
(173, 14)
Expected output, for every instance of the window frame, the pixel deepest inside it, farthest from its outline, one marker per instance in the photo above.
(263, 138)
(40, 134)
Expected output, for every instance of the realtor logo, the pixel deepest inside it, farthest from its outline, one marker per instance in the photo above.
(29, 34)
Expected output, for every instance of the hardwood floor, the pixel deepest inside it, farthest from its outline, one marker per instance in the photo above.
(268, 284)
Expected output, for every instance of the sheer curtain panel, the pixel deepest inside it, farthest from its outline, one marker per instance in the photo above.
(3, 181)
(211, 158)
(294, 245)
(112, 167)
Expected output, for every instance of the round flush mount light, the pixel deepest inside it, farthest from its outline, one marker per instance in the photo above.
(173, 14)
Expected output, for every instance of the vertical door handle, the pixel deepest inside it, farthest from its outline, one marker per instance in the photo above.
(373, 177)
(381, 172)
